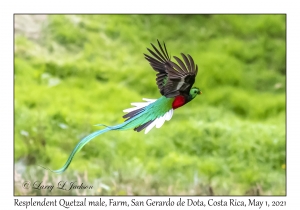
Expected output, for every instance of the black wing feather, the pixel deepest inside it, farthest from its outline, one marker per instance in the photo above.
(165, 53)
(133, 113)
(141, 127)
(192, 63)
(183, 67)
(156, 56)
(186, 61)
(172, 79)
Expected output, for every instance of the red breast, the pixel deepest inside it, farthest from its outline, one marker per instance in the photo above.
(178, 102)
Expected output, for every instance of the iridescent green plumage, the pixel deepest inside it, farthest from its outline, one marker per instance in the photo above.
(175, 84)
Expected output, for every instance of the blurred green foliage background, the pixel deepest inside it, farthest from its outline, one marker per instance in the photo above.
(75, 71)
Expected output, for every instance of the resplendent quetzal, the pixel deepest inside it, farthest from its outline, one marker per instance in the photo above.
(175, 85)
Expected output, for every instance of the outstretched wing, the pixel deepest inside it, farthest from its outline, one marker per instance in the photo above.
(180, 77)
(160, 62)
(172, 79)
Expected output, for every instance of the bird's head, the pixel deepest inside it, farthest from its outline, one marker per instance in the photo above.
(194, 92)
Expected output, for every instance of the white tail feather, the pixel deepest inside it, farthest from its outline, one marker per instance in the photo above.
(149, 127)
(158, 122)
(139, 105)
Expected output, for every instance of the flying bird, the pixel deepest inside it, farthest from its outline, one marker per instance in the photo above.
(175, 83)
